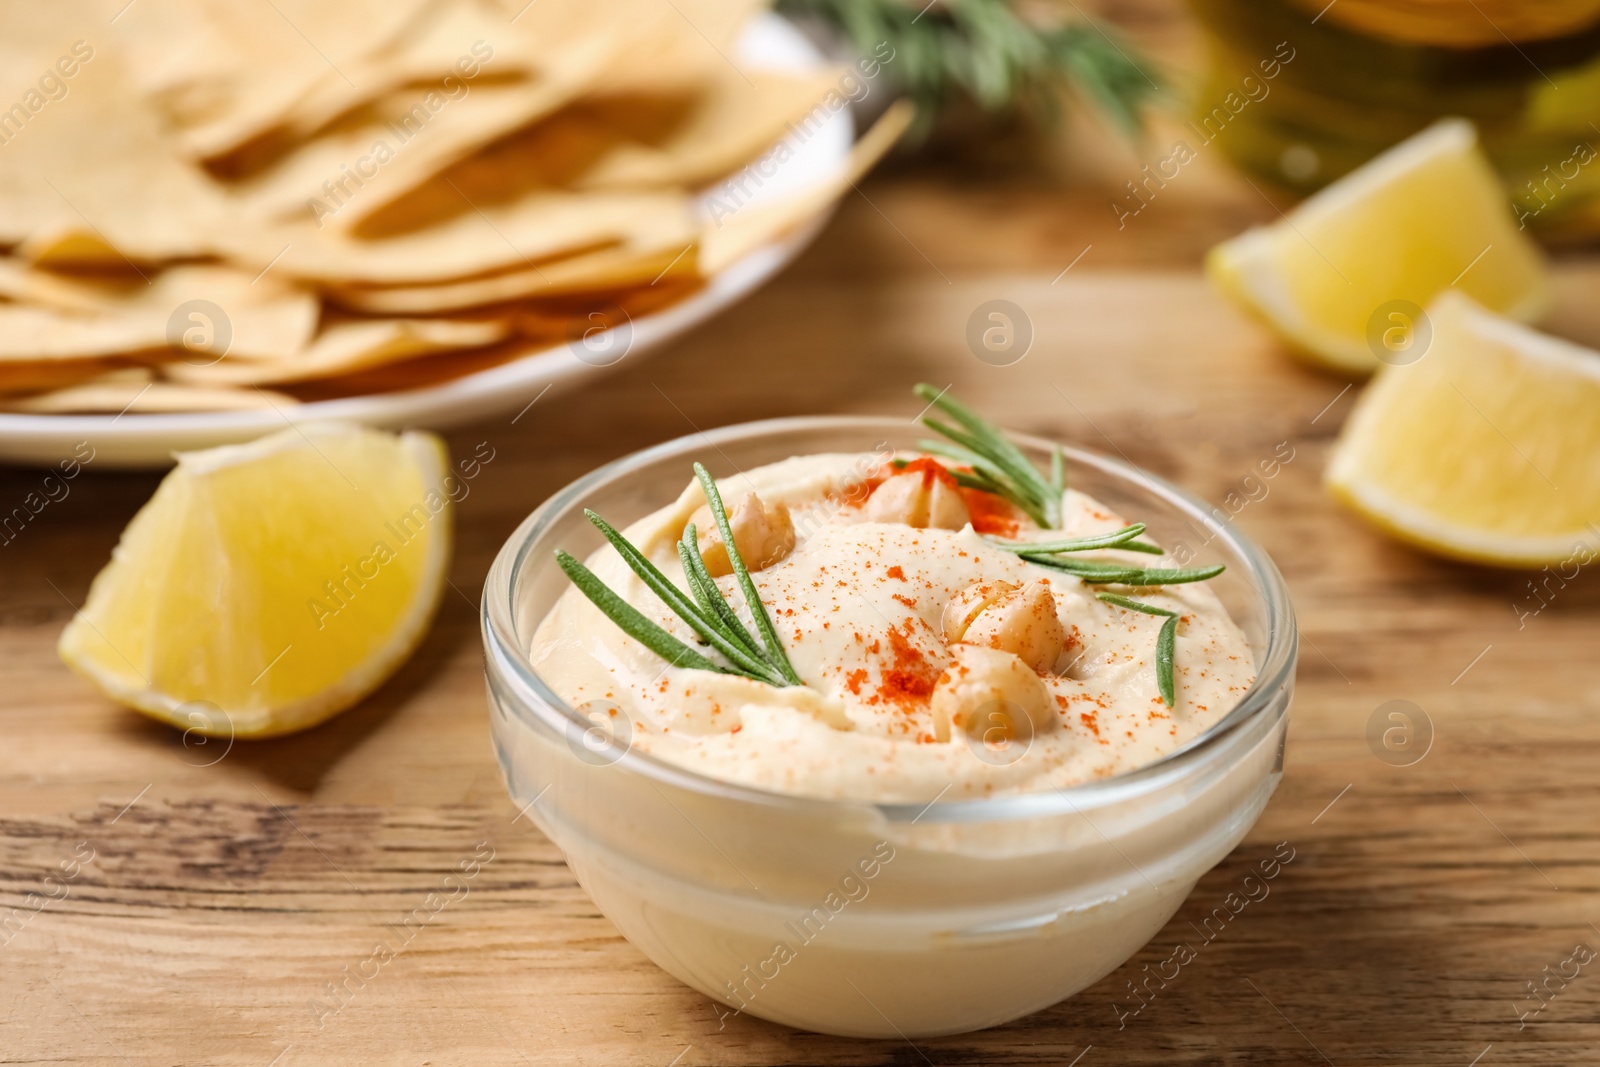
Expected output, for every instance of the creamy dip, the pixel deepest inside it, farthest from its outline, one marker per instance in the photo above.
(860, 606)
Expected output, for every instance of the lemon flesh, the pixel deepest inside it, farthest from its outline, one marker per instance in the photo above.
(1426, 215)
(266, 587)
(1487, 448)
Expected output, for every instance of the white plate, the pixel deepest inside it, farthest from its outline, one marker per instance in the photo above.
(149, 440)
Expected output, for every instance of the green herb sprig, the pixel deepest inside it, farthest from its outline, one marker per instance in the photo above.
(1125, 538)
(1094, 572)
(988, 51)
(704, 610)
(1166, 641)
(997, 465)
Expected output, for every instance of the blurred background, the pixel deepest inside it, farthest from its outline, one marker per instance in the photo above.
(614, 224)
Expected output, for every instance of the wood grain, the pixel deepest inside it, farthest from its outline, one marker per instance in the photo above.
(228, 887)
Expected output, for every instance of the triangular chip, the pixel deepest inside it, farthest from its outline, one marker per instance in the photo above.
(136, 391)
(226, 72)
(357, 167)
(90, 179)
(476, 243)
(210, 311)
(348, 347)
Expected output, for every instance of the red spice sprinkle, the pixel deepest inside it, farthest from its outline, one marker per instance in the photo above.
(897, 572)
(929, 469)
(910, 681)
(991, 514)
(907, 601)
(854, 679)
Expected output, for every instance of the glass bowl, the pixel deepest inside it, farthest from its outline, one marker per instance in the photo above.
(868, 919)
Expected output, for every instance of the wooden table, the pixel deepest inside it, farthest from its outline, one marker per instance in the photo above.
(215, 898)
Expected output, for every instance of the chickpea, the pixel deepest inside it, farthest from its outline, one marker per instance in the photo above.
(918, 499)
(763, 533)
(1022, 621)
(984, 688)
(968, 604)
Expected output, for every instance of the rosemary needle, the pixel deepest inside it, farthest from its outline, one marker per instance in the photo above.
(1115, 539)
(998, 466)
(704, 609)
(659, 584)
(769, 635)
(629, 619)
(1166, 641)
(1096, 573)
(995, 465)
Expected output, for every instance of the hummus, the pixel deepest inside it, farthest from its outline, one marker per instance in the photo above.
(862, 602)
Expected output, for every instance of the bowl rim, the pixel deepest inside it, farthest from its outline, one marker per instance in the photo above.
(505, 653)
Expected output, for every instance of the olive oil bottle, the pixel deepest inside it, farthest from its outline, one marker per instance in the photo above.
(1353, 77)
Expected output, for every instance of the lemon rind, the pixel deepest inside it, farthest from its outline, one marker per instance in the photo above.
(1418, 526)
(428, 451)
(1423, 530)
(1244, 267)
(1247, 273)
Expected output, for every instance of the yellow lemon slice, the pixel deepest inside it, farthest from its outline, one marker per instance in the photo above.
(1486, 448)
(1342, 277)
(268, 586)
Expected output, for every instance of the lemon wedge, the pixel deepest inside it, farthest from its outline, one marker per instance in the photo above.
(1331, 277)
(1487, 448)
(266, 587)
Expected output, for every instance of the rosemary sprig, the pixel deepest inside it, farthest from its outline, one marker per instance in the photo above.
(994, 53)
(1166, 641)
(1116, 539)
(1125, 539)
(704, 609)
(706, 593)
(629, 619)
(1143, 546)
(769, 634)
(1097, 573)
(998, 466)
